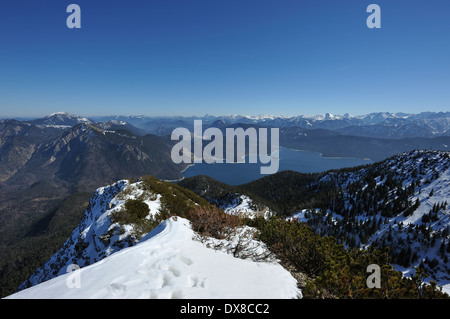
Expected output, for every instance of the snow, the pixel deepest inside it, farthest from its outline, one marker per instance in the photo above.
(441, 190)
(172, 261)
(245, 207)
(169, 263)
(434, 175)
(54, 126)
(54, 119)
(59, 113)
(95, 224)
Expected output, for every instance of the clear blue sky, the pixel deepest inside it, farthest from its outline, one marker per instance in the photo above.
(192, 57)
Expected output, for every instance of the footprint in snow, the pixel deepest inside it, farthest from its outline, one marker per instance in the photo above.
(186, 260)
(117, 289)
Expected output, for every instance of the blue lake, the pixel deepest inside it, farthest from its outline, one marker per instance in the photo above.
(294, 160)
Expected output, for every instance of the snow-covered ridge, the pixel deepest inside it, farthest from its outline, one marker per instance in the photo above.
(97, 237)
(87, 244)
(168, 262)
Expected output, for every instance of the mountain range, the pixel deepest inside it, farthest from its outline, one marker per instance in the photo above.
(376, 125)
(78, 150)
(49, 168)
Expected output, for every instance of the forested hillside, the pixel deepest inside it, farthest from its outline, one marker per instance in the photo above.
(400, 204)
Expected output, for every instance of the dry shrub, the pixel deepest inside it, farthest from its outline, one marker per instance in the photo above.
(221, 231)
(213, 222)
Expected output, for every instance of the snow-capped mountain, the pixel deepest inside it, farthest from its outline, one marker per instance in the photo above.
(378, 125)
(119, 260)
(61, 120)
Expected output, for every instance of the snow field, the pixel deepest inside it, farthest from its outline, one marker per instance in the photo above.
(168, 263)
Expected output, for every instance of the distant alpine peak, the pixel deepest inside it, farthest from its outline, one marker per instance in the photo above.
(61, 113)
(66, 115)
(374, 125)
(60, 120)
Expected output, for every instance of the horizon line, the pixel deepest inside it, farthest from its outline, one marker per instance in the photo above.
(345, 115)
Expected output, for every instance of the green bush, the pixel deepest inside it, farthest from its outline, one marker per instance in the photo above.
(134, 212)
(137, 208)
(175, 200)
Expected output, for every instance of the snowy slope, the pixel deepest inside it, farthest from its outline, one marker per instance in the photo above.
(90, 241)
(168, 263)
(414, 234)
